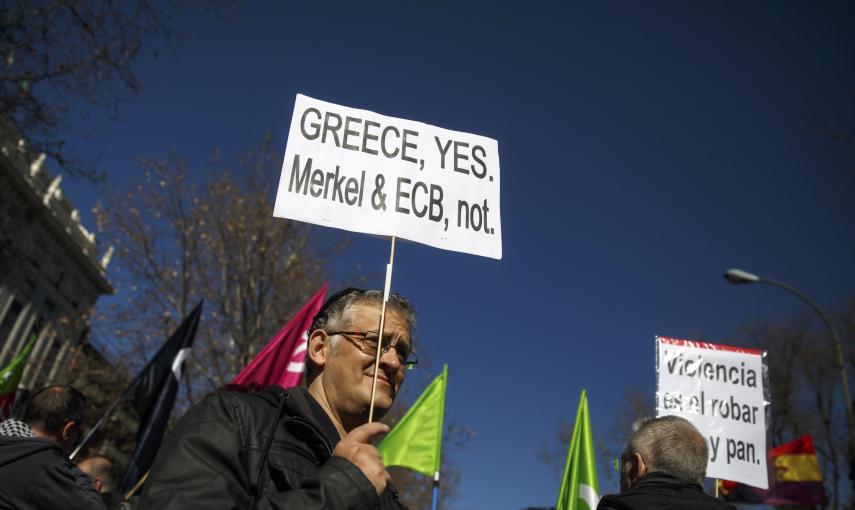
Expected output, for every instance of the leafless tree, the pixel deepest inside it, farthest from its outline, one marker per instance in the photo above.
(178, 241)
(61, 59)
(804, 385)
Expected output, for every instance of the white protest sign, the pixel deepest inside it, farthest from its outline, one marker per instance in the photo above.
(720, 390)
(361, 171)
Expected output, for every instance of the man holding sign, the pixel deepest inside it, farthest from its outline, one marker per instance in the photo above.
(297, 448)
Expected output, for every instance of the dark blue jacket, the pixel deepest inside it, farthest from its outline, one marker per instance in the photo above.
(34, 474)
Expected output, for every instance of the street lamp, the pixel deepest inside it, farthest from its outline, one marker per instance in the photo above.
(738, 277)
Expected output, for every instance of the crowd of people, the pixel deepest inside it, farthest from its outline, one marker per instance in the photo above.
(299, 448)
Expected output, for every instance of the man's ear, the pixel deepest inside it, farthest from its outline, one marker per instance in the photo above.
(317, 348)
(67, 430)
(96, 482)
(640, 466)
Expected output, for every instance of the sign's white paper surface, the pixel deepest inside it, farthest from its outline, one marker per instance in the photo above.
(364, 172)
(720, 390)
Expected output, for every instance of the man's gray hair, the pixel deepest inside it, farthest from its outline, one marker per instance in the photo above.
(332, 314)
(670, 444)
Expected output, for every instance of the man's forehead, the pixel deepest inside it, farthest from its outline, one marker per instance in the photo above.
(361, 311)
(367, 315)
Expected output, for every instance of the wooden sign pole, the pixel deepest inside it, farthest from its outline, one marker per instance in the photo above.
(386, 290)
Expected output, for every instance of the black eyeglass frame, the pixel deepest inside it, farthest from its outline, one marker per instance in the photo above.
(409, 361)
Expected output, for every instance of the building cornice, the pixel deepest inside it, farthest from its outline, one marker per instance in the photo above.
(42, 192)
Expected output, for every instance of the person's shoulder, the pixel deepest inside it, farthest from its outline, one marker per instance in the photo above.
(238, 397)
(252, 406)
(63, 483)
(33, 448)
(719, 503)
(616, 502)
(662, 497)
(251, 394)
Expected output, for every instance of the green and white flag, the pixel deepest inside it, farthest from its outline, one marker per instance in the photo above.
(579, 490)
(416, 441)
(11, 376)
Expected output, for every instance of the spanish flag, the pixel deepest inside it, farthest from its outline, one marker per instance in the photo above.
(798, 479)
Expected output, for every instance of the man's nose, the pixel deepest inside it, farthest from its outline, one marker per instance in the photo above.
(390, 358)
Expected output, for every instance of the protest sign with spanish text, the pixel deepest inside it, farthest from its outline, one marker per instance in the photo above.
(721, 390)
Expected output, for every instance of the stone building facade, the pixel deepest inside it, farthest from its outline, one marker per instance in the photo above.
(50, 271)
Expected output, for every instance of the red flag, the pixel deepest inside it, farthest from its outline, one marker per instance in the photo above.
(7, 402)
(798, 479)
(282, 359)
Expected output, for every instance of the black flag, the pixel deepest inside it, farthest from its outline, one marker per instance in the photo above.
(153, 392)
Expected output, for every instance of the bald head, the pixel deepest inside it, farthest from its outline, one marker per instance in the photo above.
(100, 470)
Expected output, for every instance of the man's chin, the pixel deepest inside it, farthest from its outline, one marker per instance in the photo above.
(382, 403)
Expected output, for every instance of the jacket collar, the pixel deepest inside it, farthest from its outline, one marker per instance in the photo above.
(304, 418)
(661, 478)
(303, 404)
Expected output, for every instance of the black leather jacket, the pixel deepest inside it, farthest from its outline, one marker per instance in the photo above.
(214, 458)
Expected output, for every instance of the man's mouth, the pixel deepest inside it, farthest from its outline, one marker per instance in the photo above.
(381, 378)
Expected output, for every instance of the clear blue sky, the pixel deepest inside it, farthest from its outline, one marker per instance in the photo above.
(645, 148)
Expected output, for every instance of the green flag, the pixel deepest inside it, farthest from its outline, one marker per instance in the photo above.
(416, 440)
(579, 489)
(11, 376)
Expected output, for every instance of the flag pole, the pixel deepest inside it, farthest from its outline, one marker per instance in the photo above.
(715, 491)
(100, 422)
(435, 497)
(97, 425)
(386, 290)
(136, 486)
(113, 406)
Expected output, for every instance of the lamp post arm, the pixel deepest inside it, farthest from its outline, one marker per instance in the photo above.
(801, 295)
(838, 348)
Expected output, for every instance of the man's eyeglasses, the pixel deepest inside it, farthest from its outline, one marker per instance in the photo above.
(367, 342)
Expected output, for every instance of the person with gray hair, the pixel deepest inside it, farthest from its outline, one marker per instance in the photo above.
(662, 468)
(297, 448)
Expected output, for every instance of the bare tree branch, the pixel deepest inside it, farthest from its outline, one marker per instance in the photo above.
(64, 57)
